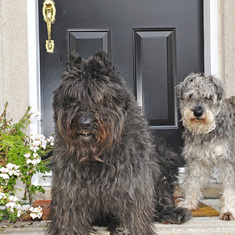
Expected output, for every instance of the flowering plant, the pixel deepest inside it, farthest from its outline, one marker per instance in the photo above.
(21, 156)
(12, 206)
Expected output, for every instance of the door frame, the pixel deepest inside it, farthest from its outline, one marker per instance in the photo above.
(210, 50)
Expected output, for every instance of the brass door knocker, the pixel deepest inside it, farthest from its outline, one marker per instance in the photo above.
(49, 13)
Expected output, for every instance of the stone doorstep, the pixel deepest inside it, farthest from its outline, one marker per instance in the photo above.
(211, 192)
(46, 179)
(205, 209)
(195, 226)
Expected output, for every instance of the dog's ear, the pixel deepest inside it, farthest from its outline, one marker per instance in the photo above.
(73, 61)
(179, 89)
(57, 102)
(219, 86)
(181, 86)
(101, 59)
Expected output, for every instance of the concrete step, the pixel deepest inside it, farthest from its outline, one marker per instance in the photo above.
(198, 226)
(195, 226)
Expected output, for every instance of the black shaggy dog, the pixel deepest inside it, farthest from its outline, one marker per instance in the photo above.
(106, 166)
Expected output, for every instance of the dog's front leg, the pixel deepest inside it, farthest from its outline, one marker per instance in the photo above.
(70, 208)
(68, 219)
(198, 175)
(226, 174)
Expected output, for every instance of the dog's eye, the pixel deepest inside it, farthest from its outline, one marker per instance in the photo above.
(209, 97)
(190, 96)
(72, 100)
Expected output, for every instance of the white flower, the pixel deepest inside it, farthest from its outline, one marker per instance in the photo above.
(13, 199)
(34, 148)
(34, 113)
(33, 215)
(17, 172)
(11, 206)
(18, 213)
(33, 137)
(37, 137)
(11, 166)
(13, 169)
(36, 212)
(29, 161)
(34, 162)
(37, 209)
(18, 206)
(42, 137)
(27, 155)
(51, 140)
(39, 215)
(31, 209)
(2, 195)
(35, 155)
(36, 143)
(4, 176)
(44, 144)
(4, 170)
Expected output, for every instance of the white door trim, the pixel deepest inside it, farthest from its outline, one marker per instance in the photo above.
(210, 50)
(33, 61)
(211, 37)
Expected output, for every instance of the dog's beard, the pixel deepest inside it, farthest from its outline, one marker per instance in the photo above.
(89, 154)
(198, 126)
(88, 147)
(85, 151)
(89, 144)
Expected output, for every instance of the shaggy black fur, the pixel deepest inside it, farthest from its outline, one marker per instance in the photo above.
(106, 166)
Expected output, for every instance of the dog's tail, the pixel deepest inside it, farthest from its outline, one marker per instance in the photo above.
(165, 208)
(168, 160)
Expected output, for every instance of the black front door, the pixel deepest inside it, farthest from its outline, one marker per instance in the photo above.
(153, 44)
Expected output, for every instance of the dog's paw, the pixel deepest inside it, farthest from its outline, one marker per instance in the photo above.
(174, 215)
(227, 216)
(187, 205)
(180, 215)
(119, 231)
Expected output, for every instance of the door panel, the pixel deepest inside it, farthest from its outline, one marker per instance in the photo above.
(156, 75)
(153, 45)
(87, 42)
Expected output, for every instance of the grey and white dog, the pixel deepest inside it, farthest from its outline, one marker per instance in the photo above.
(209, 121)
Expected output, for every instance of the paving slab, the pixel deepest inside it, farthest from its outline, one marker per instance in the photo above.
(195, 226)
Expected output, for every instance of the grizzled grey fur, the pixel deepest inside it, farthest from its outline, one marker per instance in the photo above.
(209, 121)
(107, 169)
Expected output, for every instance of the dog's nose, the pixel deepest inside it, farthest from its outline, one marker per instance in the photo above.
(86, 120)
(198, 111)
